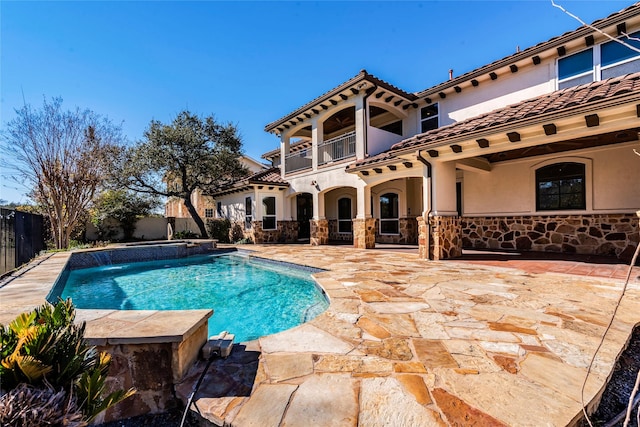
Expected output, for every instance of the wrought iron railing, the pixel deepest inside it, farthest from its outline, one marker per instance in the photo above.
(297, 161)
(340, 147)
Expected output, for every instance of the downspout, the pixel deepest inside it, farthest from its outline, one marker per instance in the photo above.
(367, 94)
(427, 213)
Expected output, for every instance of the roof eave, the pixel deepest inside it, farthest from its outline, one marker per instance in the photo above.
(532, 51)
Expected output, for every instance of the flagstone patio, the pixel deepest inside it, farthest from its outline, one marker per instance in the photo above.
(407, 342)
(404, 342)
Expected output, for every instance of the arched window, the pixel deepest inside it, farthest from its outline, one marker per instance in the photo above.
(561, 186)
(389, 214)
(269, 213)
(344, 215)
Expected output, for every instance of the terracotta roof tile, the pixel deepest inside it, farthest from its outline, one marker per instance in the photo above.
(362, 75)
(267, 177)
(556, 101)
(270, 176)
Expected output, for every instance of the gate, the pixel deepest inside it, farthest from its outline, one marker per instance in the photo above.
(21, 238)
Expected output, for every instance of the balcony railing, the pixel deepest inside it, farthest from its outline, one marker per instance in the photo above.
(297, 161)
(337, 148)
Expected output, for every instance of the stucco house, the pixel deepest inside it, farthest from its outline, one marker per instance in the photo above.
(534, 151)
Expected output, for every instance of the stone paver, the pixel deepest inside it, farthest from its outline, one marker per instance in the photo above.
(405, 342)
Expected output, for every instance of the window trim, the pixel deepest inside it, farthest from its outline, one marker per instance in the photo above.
(435, 116)
(390, 219)
(345, 220)
(588, 184)
(248, 218)
(597, 67)
(267, 215)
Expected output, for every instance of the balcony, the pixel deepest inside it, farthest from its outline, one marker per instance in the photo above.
(297, 161)
(340, 147)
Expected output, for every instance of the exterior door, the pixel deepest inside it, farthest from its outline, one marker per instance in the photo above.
(304, 203)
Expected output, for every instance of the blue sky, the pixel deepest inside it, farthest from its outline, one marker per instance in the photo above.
(249, 63)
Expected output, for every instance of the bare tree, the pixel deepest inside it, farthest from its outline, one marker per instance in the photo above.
(63, 156)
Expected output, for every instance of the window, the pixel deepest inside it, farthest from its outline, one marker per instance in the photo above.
(219, 209)
(600, 62)
(208, 213)
(575, 69)
(389, 223)
(429, 117)
(248, 213)
(561, 186)
(269, 213)
(617, 59)
(344, 215)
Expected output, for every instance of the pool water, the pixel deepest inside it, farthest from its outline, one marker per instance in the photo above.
(249, 298)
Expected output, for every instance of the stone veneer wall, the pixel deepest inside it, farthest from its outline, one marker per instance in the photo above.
(154, 369)
(286, 232)
(334, 235)
(600, 234)
(364, 233)
(319, 232)
(408, 235)
(444, 241)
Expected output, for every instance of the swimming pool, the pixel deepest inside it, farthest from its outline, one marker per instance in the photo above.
(250, 298)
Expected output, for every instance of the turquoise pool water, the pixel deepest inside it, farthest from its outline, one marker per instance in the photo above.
(249, 298)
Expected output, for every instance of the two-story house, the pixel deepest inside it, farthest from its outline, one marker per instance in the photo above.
(534, 151)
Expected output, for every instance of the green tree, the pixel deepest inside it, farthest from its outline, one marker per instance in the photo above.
(124, 206)
(175, 160)
(64, 156)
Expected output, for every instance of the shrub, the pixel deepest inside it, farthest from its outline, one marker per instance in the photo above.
(219, 229)
(237, 232)
(45, 350)
(186, 234)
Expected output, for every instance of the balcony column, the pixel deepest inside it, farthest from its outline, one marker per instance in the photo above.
(364, 225)
(361, 127)
(284, 152)
(317, 131)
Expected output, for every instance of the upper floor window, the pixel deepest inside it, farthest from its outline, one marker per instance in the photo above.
(248, 212)
(208, 213)
(600, 62)
(429, 117)
(618, 59)
(561, 186)
(389, 219)
(575, 69)
(269, 213)
(344, 215)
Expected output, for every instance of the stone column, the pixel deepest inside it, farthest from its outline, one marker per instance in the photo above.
(364, 233)
(319, 232)
(423, 238)
(445, 240)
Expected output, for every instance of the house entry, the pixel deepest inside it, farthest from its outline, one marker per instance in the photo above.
(304, 203)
